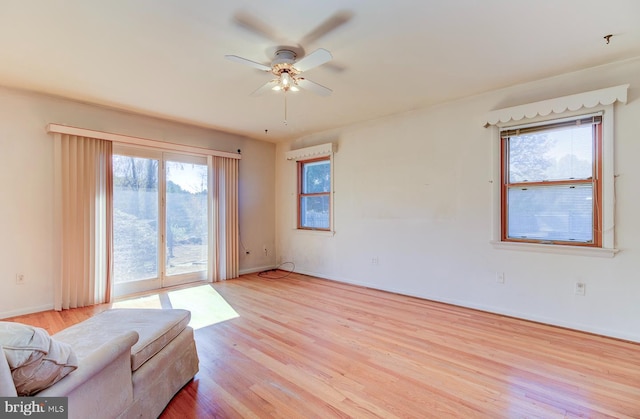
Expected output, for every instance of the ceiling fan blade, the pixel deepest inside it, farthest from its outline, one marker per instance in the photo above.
(314, 87)
(333, 22)
(241, 60)
(253, 24)
(265, 87)
(316, 58)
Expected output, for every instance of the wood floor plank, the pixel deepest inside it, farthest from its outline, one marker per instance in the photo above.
(303, 347)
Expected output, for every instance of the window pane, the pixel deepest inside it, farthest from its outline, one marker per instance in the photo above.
(551, 213)
(565, 153)
(135, 218)
(314, 212)
(186, 218)
(316, 177)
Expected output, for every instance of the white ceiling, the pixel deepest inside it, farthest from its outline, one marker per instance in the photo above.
(165, 58)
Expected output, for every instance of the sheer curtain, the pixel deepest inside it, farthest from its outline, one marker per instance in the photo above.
(224, 228)
(83, 209)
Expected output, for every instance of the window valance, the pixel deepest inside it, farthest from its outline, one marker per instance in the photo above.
(144, 142)
(558, 105)
(310, 152)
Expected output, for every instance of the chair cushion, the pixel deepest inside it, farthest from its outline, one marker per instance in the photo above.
(156, 328)
(35, 359)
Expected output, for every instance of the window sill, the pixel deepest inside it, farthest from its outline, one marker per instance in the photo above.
(324, 233)
(556, 248)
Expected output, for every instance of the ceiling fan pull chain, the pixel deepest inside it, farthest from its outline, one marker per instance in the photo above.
(285, 107)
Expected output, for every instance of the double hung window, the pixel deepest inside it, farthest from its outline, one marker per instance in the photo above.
(551, 188)
(314, 194)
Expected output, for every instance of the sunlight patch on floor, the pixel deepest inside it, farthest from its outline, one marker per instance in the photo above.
(207, 307)
(150, 301)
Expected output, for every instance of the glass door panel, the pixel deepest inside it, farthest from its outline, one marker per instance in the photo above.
(186, 222)
(135, 224)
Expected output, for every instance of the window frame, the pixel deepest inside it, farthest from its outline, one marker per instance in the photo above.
(596, 180)
(300, 195)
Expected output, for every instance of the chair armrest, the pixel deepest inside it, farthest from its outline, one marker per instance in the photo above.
(91, 365)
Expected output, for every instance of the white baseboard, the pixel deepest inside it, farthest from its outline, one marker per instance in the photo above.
(258, 269)
(26, 310)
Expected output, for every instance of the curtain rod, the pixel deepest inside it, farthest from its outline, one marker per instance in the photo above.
(126, 139)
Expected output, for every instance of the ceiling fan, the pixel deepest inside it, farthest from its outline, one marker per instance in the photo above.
(289, 62)
(287, 70)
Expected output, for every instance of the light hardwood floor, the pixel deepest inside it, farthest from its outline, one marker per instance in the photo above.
(302, 347)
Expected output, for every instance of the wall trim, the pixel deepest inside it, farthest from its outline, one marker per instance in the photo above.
(257, 269)
(557, 105)
(308, 152)
(27, 310)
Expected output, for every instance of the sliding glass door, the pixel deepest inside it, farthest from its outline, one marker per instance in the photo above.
(160, 220)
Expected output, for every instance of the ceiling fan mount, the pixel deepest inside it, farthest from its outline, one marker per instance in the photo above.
(284, 55)
(283, 62)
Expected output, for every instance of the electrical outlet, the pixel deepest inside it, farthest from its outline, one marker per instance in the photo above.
(581, 288)
(375, 260)
(500, 277)
(19, 279)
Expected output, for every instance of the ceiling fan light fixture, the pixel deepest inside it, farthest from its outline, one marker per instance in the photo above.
(285, 79)
(286, 82)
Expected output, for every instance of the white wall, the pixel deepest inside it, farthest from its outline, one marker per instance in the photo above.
(26, 187)
(414, 191)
